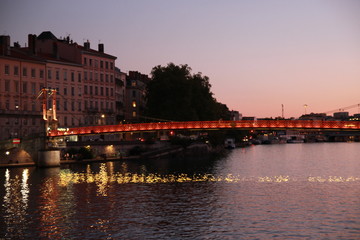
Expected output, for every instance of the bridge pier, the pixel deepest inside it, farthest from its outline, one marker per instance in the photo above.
(48, 158)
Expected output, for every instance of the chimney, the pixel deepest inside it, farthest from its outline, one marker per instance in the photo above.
(101, 47)
(87, 45)
(55, 50)
(5, 45)
(32, 44)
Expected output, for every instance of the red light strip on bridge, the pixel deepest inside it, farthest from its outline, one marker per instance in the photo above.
(242, 124)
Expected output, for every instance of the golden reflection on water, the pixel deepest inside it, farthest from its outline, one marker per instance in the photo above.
(16, 200)
(104, 178)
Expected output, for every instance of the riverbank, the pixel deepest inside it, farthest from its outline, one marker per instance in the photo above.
(194, 150)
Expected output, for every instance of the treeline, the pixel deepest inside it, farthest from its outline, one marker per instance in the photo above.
(175, 94)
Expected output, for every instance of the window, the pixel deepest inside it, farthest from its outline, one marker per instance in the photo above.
(72, 76)
(79, 77)
(79, 106)
(107, 65)
(91, 90)
(57, 105)
(96, 77)
(33, 88)
(111, 78)
(85, 90)
(65, 105)
(41, 74)
(86, 104)
(101, 64)
(79, 91)
(96, 91)
(107, 77)
(7, 69)
(24, 71)
(133, 83)
(85, 76)
(72, 106)
(65, 91)
(33, 73)
(49, 73)
(7, 85)
(134, 114)
(134, 104)
(91, 76)
(85, 62)
(16, 86)
(102, 91)
(111, 66)
(65, 121)
(134, 93)
(101, 77)
(57, 74)
(96, 63)
(107, 92)
(72, 91)
(111, 92)
(65, 75)
(33, 106)
(16, 70)
(24, 87)
(90, 62)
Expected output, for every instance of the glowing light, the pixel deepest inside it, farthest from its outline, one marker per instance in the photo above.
(103, 179)
(7, 153)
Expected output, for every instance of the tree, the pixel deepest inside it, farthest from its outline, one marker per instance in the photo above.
(175, 94)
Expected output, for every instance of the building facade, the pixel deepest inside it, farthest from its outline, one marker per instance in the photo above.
(22, 76)
(136, 83)
(84, 80)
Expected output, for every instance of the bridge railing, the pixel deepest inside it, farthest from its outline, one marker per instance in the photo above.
(241, 124)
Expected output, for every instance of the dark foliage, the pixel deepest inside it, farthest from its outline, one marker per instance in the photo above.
(175, 94)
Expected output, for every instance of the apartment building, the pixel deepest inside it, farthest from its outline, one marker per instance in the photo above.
(84, 80)
(96, 79)
(22, 76)
(136, 83)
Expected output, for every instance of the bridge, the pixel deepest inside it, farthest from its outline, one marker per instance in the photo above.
(213, 125)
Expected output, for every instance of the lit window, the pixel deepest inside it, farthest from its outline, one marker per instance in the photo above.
(134, 104)
(134, 114)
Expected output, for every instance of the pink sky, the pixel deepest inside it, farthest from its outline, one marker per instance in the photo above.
(258, 54)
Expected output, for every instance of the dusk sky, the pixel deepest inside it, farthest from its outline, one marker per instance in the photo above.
(258, 54)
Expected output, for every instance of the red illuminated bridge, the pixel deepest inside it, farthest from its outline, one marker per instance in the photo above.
(213, 125)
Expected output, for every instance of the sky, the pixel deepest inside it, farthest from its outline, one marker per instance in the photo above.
(258, 54)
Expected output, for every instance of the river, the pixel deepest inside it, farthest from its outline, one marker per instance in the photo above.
(285, 191)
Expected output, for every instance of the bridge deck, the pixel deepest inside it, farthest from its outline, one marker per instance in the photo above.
(242, 124)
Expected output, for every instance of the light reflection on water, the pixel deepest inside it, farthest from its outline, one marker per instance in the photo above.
(282, 191)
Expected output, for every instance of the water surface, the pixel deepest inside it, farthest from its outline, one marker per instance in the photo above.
(288, 191)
